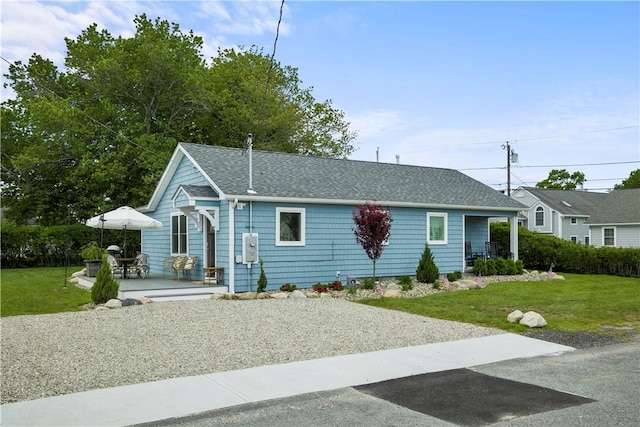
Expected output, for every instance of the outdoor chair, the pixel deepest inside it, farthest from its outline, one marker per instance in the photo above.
(189, 265)
(491, 248)
(115, 267)
(167, 265)
(178, 265)
(141, 266)
(470, 256)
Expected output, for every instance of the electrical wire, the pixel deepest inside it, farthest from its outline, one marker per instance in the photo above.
(553, 166)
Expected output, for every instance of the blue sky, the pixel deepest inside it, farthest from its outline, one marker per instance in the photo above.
(436, 83)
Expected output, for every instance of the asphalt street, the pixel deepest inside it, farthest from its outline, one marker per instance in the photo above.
(590, 387)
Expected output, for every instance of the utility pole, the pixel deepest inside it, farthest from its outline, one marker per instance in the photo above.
(510, 156)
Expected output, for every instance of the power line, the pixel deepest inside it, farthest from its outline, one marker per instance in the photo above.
(554, 166)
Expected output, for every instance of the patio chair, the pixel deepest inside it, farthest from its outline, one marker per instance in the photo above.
(167, 265)
(491, 249)
(141, 266)
(470, 257)
(189, 264)
(115, 267)
(178, 265)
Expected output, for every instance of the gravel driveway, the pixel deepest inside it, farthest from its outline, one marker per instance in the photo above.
(63, 353)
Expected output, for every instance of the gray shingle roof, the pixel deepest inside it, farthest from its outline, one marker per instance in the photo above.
(619, 207)
(294, 176)
(568, 202)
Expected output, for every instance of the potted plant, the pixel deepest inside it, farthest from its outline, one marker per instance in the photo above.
(91, 253)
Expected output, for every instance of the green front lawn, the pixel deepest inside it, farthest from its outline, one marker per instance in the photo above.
(579, 303)
(39, 291)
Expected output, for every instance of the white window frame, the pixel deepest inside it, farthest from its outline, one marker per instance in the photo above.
(303, 232)
(184, 232)
(540, 210)
(604, 237)
(446, 228)
(587, 241)
(574, 239)
(574, 220)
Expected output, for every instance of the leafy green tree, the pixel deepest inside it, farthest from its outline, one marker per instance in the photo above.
(632, 182)
(561, 179)
(114, 114)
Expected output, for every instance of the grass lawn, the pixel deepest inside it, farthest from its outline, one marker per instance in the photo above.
(39, 291)
(579, 303)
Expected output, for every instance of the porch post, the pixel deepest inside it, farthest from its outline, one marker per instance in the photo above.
(232, 262)
(513, 236)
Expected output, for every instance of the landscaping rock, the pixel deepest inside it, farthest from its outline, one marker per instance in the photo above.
(280, 295)
(113, 303)
(217, 296)
(74, 281)
(515, 316)
(391, 293)
(101, 308)
(78, 273)
(247, 296)
(533, 320)
(297, 295)
(144, 300)
(130, 301)
(311, 294)
(229, 296)
(393, 286)
(325, 295)
(263, 295)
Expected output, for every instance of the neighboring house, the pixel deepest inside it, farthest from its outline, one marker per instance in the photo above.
(616, 221)
(562, 213)
(295, 213)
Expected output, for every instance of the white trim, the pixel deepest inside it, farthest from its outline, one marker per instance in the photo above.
(572, 237)
(186, 232)
(535, 217)
(303, 231)
(232, 257)
(445, 240)
(306, 200)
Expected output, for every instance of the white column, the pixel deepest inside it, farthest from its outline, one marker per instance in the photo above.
(232, 261)
(513, 236)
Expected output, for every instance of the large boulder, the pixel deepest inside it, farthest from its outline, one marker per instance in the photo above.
(113, 303)
(297, 295)
(247, 296)
(391, 293)
(533, 320)
(515, 316)
(280, 295)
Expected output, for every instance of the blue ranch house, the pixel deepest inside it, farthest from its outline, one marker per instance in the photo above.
(232, 208)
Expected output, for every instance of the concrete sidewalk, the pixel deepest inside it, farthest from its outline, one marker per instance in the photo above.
(179, 397)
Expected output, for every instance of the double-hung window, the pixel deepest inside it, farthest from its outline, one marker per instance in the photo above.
(608, 236)
(290, 227)
(436, 228)
(179, 234)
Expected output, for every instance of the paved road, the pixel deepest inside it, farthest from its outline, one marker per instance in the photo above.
(605, 382)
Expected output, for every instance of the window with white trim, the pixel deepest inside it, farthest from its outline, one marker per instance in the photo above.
(179, 234)
(609, 236)
(574, 220)
(586, 240)
(574, 239)
(290, 227)
(539, 216)
(436, 228)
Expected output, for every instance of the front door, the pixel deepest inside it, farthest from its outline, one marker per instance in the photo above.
(210, 245)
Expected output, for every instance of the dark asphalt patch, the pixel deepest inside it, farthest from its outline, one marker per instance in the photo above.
(469, 398)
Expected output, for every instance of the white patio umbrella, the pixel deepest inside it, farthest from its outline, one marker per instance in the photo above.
(124, 218)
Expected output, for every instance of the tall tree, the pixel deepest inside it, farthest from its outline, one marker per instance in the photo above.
(561, 179)
(105, 126)
(372, 229)
(632, 182)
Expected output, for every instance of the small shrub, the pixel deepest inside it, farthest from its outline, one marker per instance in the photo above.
(480, 267)
(456, 275)
(262, 280)
(427, 271)
(492, 269)
(320, 288)
(437, 285)
(406, 283)
(288, 287)
(519, 265)
(336, 285)
(351, 290)
(106, 286)
(369, 283)
(502, 266)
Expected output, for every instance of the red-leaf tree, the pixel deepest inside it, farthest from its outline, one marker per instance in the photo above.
(373, 227)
